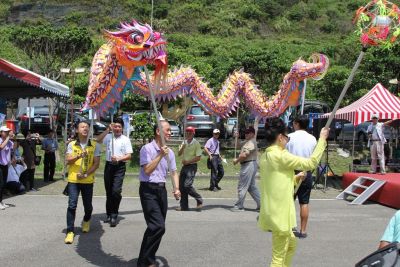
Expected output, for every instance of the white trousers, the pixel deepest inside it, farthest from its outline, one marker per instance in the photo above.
(377, 152)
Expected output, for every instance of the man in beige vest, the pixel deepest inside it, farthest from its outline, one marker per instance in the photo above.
(248, 169)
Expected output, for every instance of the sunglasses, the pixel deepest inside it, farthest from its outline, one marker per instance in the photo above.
(288, 138)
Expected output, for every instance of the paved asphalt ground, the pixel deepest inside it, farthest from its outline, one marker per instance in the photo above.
(32, 234)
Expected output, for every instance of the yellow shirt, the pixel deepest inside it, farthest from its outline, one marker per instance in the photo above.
(82, 164)
(192, 150)
(277, 165)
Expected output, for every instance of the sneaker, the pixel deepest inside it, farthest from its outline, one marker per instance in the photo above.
(85, 226)
(371, 172)
(180, 209)
(107, 220)
(5, 205)
(69, 239)
(2, 206)
(199, 206)
(113, 222)
(383, 173)
(301, 235)
(236, 208)
(33, 190)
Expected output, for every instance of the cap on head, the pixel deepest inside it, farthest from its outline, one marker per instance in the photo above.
(4, 129)
(20, 136)
(216, 131)
(250, 130)
(190, 129)
(375, 116)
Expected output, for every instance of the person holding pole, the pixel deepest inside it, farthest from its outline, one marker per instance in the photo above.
(248, 169)
(377, 137)
(118, 153)
(83, 158)
(154, 159)
(302, 144)
(190, 150)
(277, 211)
(214, 160)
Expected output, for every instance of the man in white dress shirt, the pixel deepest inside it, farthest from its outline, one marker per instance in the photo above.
(118, 152)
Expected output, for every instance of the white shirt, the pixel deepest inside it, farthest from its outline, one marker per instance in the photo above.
(301, 144)
(15, 172)
(122, 146)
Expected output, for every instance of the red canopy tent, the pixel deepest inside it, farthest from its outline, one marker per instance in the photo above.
(17, 82)
(378, 100)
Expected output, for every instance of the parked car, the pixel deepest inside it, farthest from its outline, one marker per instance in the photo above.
(229, 126)
(39, 123)
(98, 127)
(175, 128)
(200, 120)
(361, 133)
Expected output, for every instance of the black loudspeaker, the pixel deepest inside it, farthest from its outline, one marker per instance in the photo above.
(384, 257)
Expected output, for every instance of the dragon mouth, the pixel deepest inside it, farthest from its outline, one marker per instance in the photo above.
(156, 52)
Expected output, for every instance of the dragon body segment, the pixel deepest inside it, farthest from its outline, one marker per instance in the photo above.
(117, 68)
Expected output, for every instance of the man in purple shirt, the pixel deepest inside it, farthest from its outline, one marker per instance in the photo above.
(217, 170)
(6, 147)
(153, 195)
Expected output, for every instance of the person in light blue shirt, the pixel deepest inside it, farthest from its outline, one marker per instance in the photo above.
(392, 232)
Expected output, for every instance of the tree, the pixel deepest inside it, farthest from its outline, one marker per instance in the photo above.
(51, 48)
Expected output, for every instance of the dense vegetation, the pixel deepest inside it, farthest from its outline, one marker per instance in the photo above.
(216, 37)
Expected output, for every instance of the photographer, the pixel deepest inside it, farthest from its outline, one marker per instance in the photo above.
(15, 169)
(6, 146)
(29, 153)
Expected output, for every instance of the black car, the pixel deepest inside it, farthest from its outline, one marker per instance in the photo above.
(40, 122)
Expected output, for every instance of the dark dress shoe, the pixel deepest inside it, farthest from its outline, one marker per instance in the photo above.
(107, 220)
(113, 222)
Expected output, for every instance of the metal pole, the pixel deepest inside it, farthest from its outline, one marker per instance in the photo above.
(153, 101)
(29, 115)
(237, 130)
(346, 86)
(91, 123)
(72, 97)
(112, 133)
(352, 153)
(65, 138)
(303, 97)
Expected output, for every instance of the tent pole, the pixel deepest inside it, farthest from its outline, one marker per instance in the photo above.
(237, 130)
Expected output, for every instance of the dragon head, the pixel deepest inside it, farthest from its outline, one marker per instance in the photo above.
(137, 45)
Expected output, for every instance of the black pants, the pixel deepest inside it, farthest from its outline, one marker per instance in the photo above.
(73, 194)
(186, 179)
(16, 187)
(3, 179)
(49, 166)
(153, 198)
(28, 178)
(113, 180)
(217, 171)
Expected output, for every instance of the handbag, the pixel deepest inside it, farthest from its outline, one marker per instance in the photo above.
(209, 164)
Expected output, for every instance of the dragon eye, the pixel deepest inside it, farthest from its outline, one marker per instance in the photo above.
(136, 38)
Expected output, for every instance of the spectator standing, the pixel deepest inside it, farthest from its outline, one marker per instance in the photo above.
(29, 153)
(212, 148)
(6, 147)
(118, 152)
(378, 140)
(49, 145)
(302, 144)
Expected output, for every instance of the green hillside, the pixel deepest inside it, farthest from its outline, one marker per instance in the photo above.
(216, 37)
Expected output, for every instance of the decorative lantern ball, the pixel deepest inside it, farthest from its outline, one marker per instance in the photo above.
(378, 23)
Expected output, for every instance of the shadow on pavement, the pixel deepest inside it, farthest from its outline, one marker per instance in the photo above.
(90, 248)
